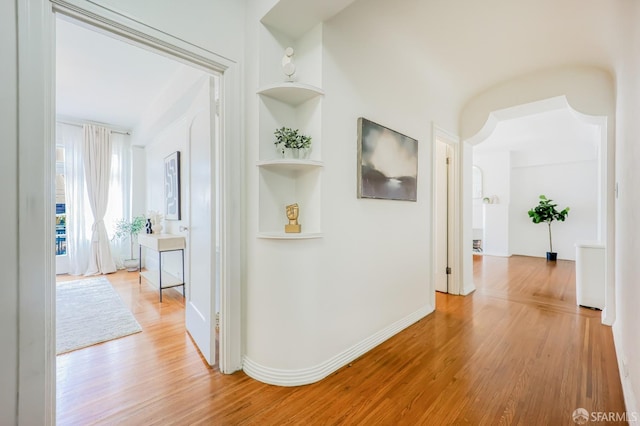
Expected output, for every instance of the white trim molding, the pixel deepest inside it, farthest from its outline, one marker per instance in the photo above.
(36, 262)
(305, 376)
(630, 401)
(36, 143)
(231, 153)
(457, 284)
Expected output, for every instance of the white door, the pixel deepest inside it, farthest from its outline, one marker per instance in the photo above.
(200, 199)
(442, 212)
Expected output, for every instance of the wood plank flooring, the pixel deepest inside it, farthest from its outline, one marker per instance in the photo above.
(517, 351)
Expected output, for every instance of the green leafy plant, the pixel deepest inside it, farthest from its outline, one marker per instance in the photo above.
(546, 212)
(129, 228)
(291, 138)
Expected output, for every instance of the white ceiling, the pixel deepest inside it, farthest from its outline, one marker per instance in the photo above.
(104, 80)
(541, 131)
(469, 45)
(545, 138)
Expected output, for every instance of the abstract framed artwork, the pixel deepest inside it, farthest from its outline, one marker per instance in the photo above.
(172, 186)
(387, 163)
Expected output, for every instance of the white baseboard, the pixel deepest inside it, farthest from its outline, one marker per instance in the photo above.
(606, 318)
(305, 376)
(468, 289)
(630, 400)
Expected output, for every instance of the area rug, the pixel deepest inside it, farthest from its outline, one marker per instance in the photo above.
(90, 311)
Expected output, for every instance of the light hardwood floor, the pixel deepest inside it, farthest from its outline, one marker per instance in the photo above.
(517, 351)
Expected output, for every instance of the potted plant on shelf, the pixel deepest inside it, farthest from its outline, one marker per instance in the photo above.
(546, 212)
(126, 228)
(290, 143)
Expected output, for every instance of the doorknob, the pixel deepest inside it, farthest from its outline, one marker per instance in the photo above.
(183, 228)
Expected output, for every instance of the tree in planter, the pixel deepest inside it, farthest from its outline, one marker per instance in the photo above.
(546, 212)
(291, 138)
(126, 228)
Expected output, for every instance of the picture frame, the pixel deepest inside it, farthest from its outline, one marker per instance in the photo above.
(387, 163)
(172, 186)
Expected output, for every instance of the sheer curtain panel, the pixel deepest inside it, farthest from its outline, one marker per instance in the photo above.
(78, 212)
(97, 171)
(119, 195)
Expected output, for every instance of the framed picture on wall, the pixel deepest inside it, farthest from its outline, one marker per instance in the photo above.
(387, 163)
(172, 186)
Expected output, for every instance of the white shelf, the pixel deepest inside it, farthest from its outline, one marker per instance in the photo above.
(168, 280)
(296, 17)
(285, 236)
(285, 181)
(291, 93)
(290, 164)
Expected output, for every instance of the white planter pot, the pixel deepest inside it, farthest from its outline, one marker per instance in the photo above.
(294, 153)
(131, 264)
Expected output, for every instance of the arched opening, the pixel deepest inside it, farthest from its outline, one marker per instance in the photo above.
(544, 147)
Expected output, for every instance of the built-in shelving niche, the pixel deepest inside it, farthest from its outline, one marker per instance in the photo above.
(298, 105)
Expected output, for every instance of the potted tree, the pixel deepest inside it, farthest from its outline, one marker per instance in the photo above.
(546, 212)
(292, 141)
(124, 229)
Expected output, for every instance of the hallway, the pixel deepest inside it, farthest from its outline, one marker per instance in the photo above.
(517, 351)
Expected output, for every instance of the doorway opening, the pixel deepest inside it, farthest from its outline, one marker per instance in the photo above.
(191, 123)
(446, 216)
(541, 148)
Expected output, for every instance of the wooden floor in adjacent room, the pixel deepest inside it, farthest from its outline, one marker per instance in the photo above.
(517, 351)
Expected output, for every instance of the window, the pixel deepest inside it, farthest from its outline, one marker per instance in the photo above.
(61, 206)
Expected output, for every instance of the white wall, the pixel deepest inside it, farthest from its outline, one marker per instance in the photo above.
(626, 330)
(589, 90)
(310, 302)
(9, 217)
(496, 167)
(495, 230)
(172, 115)
(496, 170)
(571, 185)
(138, 181)
(519, 178)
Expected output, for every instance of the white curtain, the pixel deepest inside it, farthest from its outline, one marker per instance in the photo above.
(97, 171)
(119, 196)
(78, 211)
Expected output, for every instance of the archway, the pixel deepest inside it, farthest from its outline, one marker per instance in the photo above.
(589, 93)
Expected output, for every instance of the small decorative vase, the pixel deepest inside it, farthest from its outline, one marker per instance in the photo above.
(157, 228)
(148, 226)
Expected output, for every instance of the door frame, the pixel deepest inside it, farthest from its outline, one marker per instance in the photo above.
(455, 246)
(36, 156)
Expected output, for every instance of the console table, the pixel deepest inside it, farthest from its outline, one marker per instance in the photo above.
(162, 243)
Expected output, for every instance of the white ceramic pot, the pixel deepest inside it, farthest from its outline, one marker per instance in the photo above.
(295, 153)
(131, 264)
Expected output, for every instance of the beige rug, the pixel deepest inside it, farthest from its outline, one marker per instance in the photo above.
(89, 311)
